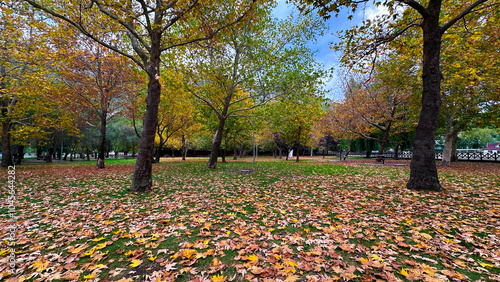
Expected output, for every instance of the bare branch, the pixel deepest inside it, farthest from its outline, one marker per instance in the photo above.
(211, 35)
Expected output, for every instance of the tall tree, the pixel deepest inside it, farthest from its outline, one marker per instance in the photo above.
(30, 104)
(379, 105)
(177, 110)
(151, 28)
(98, 79)
(470, 68)
(237, 70)
(428, 16)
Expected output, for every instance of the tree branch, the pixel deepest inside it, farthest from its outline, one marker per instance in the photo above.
(461, 15)
(415, 5)
(85, 32)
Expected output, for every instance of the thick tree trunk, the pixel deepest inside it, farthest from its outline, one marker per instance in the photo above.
(101, 150)
(88, 153)
(142, 180)
(6, 148)
(216, 142)
(280, 153)
(423, 170)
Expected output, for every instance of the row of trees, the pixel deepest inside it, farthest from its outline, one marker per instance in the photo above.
(220, 65)
(224, 84)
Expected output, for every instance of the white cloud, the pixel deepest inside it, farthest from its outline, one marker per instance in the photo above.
(371, 12)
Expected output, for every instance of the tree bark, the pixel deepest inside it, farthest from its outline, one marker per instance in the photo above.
(450, 136)
(142, 180)
(20, 154)
(158, 150)
(454, 145)
(383, 142)
(235, 154)
(396, 151)
(101, 150)
(216, 142)
(298, 144)
(6, 148)
(223, 156)
(423, 170)
(49, 155)
(184, 149)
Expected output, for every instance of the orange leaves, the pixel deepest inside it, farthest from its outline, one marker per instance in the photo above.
(360, 222)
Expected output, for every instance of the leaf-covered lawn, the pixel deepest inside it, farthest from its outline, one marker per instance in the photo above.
(279, 221)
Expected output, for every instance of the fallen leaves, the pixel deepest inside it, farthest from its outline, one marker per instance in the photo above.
(314, 222)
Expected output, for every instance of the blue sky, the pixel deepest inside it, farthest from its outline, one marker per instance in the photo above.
(326, 56)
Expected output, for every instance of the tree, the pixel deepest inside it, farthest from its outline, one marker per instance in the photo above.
(176, 110)
(328, 143)
(98, 79)
(292, 116)
(30, 101)
(150, 28)
(470, 88)
(379, 105)
(236, 71)
(433, 23)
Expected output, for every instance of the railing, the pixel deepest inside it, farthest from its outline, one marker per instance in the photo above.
(461, 156)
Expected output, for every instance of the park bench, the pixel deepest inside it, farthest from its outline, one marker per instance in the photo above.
(380, 159)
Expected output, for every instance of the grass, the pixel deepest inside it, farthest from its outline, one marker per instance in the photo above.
(308, 221)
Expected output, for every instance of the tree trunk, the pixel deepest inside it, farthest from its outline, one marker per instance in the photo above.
(298, 144)
(20, 154)
(223, 156)
(396, 151)
(280, 153)
(454, 145)
(448, 141)
(235, 153)
(158, 150)
(58, 154)
(39, 153)
(183, 149)
(383, 142)
(6, 148)
(216, 142)
(49, 155)
(423, 170)
(142, 180)
(101, 149)
(88, 153)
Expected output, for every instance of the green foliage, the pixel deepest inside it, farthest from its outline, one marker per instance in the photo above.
(477, 138)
